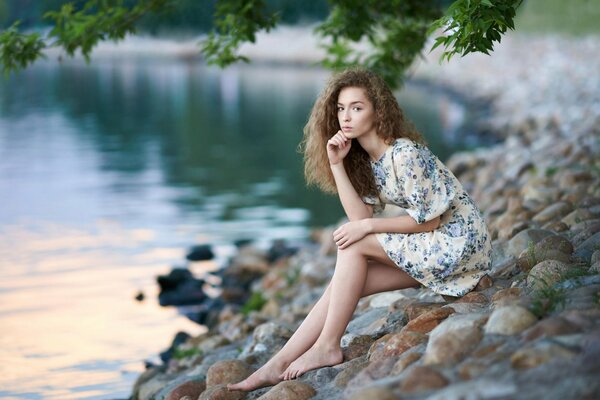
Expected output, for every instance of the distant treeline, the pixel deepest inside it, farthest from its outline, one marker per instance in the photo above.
(187, 15)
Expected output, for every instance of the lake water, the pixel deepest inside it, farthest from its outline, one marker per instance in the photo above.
(109, 172)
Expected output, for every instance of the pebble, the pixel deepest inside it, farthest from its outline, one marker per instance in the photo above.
(509, 320)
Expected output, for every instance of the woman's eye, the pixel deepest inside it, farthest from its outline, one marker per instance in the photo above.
(340, 108)
(357, 108)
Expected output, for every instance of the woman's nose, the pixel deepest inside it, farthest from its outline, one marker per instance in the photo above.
(346, 116)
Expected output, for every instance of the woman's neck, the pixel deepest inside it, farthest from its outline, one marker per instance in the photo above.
(373, 145)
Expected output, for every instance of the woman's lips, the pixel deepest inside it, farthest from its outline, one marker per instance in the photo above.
(346, 128)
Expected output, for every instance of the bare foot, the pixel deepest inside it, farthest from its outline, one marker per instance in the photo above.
(267, 375)
(315, 357)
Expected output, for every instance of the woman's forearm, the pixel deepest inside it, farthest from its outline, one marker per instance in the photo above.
(351, 202)
(401, 224)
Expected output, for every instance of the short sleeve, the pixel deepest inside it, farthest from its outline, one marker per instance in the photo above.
(374, 201)
(426, 188)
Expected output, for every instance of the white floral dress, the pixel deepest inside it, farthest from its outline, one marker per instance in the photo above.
(451, 259)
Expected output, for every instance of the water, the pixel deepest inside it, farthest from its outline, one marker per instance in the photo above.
(109, 172)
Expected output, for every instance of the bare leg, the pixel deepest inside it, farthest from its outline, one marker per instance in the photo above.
(348, 284)
(381, 276)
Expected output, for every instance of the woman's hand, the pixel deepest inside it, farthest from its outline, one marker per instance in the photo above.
(350, 232)
(338, 147)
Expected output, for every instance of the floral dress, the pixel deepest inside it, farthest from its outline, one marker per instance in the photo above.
(450, 259)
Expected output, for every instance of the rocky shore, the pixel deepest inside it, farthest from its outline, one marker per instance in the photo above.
(530, 330)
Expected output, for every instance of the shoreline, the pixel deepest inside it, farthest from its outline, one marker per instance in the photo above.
(531, 328)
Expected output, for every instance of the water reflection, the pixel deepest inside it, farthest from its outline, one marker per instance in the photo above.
(109, 171)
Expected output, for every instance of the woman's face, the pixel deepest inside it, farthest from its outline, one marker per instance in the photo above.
(356, 114)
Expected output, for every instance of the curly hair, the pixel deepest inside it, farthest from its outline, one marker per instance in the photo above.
(323, 124)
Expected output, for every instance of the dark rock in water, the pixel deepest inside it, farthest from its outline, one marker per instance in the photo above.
(208, 312)
(200, 253)
(280, 249)
(140, 296)
(242, 242)
(179, 339)
(179, 288)
(176, 277)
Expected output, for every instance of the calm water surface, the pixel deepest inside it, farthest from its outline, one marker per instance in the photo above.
(109, 172)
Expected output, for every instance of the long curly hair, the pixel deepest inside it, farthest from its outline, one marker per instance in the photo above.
(323, 124)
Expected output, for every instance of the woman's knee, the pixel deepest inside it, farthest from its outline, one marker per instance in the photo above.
(362, 247)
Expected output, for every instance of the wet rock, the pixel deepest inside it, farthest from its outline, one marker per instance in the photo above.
(190, 389)
(227, 371)
(200, 253)
(394, 344)
(552, 326)
(540, 353)
(454, 338)
(179, 287)
(179, 339)
(427, 321)
(289, 390)
(421, 378)
(546, 273)
(509, 320)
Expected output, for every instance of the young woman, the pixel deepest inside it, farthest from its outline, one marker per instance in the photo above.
(358, 144)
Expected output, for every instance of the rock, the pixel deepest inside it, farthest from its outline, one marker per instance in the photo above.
(354, 346)
(269, 337)
(587, 248)
(421, 378)
(539, 353)
(376, 370)
(405, 360)
(527, 261)
(179, 339)
(595, 257)
(190, 389)
(509, 320)
(289, 390)
(427, 321)
(576, 216)
(227, 371)
(585, 230)
(595, 268)
(454, 338)
(179, 288)
(553, 242)
(200, 253)
(394, 344)
(479, 389)
(554, 211)
(317, 272)
(379, 393)
(149, 383)
(361, 324)
(413, 310)
(521, 241)
(552, 326)
(349, 370)
(505, 297)
(484, 283)
(220, 392)
(555, 226)
(546, 273)
(385, 299)
(473, 297)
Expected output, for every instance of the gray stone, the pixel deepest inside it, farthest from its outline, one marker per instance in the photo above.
(361, 324)
(554, 211)
(522, 239)
(481, 389)
(545, 274)
(587, 248)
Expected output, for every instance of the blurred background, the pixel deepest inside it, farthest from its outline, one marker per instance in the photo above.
(111, 171)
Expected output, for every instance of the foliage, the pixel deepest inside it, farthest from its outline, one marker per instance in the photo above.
(254, 303)
(474, 25)
(180, 353)
(395, 30)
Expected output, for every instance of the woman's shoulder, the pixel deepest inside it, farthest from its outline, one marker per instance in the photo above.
(406, 145)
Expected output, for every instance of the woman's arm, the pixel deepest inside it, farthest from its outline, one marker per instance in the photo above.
(353, 205)
(401, 224)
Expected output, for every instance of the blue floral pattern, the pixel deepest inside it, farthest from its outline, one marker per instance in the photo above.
(451, 259)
